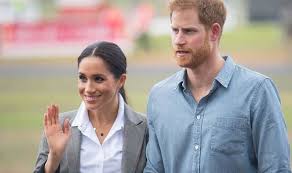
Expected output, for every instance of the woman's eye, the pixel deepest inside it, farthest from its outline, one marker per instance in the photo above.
(98, 79)
(82, 78)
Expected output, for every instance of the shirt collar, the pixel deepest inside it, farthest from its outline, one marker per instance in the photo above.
(119, 122)
(223, 77)
(225, 74)
(81, 120)
(181, 80)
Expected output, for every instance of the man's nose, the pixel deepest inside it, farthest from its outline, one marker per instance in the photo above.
(179, 39)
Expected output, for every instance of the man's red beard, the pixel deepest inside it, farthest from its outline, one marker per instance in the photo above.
(192, 58)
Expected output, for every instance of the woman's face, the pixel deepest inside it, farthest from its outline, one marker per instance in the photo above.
(96, 84)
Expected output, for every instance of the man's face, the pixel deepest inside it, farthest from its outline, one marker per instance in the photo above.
(189, 38)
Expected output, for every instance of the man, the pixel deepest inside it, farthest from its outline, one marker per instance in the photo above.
(213, 116)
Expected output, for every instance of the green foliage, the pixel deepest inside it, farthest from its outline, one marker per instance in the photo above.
(157, 44)
(259, 36)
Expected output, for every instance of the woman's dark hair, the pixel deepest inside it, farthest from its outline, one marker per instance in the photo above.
(113, 57)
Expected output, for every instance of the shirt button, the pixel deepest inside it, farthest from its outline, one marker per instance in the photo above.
(196, 147)
(198, 117)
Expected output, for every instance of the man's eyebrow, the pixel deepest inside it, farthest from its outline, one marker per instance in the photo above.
(187, 27)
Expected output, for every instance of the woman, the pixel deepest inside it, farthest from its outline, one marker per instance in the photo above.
(104, 135)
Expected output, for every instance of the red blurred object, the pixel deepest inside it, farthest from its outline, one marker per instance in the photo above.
(72, 29)
(144, 14)
(72, 24)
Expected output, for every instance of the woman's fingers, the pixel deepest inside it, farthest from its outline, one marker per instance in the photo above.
(51, 121)
(49, 115)
(57, 113)
(66, 127)
(53, 107)
(45, 119)
(52, 115)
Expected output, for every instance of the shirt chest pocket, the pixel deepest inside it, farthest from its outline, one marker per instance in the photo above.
(229, 135)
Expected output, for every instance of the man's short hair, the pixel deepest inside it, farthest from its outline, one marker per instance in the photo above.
(209, 11)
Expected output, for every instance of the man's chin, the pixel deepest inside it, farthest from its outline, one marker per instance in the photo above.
(181, 61)
(191, 65)
(182, 64)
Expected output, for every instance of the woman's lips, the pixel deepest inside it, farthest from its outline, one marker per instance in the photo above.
(90, 98)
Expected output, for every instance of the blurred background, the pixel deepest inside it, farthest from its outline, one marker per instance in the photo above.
(40, 41)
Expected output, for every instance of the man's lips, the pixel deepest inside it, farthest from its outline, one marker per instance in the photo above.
(181, 52)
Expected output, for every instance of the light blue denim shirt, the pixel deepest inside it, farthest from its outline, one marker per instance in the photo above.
(237, 128)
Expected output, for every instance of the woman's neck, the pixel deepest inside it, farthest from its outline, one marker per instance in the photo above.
(106, 115)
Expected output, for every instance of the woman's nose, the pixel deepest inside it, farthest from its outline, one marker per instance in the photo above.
(89, 87)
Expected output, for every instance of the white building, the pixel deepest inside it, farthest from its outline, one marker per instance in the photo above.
(19, 10)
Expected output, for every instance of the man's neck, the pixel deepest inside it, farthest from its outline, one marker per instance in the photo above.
(200, 79)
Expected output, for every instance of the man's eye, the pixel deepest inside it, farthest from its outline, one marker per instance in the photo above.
(174, 30)
(189, 31)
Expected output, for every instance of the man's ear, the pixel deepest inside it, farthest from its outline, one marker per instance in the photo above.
(215, 32)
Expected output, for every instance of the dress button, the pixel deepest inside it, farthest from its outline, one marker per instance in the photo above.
(196, 147)
(198, 117)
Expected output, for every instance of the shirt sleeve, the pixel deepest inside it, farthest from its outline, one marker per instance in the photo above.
(269, 132)
(154, 162)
